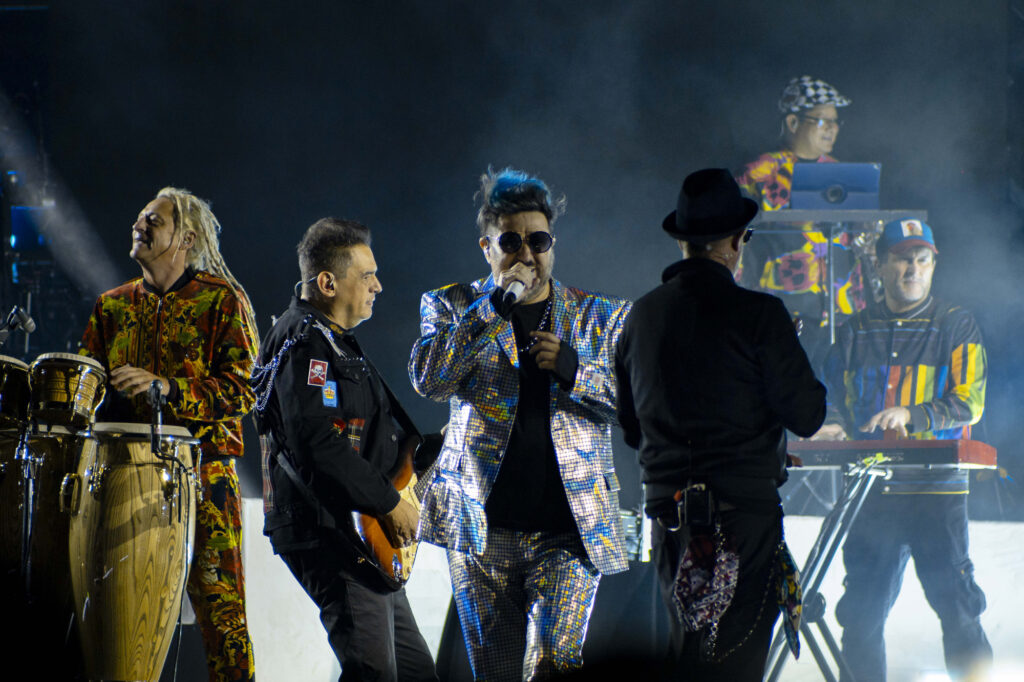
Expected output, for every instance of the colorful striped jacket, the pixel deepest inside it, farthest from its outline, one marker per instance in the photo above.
(466, 354)
(930, 359)
(196, 334)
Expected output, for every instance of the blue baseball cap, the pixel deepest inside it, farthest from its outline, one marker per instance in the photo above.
(900, 235)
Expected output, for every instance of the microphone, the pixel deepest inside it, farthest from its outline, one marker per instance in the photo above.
(156, 401)
(26, 322)
(512, 293)
(16, 318)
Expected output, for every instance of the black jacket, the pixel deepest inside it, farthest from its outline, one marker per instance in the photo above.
(321, 404)
(710, 376)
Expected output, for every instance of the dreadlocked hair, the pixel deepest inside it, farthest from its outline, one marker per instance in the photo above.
(193, 214)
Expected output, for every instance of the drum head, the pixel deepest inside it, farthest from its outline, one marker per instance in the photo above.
(137, 430)
(69, 357)
(8, 360)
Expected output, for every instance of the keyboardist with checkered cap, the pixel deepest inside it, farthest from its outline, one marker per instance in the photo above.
(913, 366)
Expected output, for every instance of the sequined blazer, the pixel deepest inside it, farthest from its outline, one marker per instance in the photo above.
(466, 354)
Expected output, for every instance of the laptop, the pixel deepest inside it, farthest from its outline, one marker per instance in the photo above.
(828, 186)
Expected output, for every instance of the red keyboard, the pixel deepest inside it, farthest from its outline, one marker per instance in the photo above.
(962, 454)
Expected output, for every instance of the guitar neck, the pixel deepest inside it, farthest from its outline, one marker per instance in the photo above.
(423, 481)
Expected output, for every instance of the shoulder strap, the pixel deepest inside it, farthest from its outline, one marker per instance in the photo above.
(365, 563)
(401, 416)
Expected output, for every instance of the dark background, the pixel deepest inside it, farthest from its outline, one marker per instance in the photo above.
(280, 113)
(388, 114)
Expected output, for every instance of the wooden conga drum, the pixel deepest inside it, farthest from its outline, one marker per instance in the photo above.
(130, 546)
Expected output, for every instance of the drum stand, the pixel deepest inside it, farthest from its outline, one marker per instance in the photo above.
(858, 481)
(29, 474)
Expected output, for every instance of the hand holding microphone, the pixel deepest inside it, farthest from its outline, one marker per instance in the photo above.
(511, 286)
(513, 292)
(515, 281)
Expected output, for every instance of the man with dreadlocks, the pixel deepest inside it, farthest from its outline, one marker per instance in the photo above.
(524, 496)
(188, 324)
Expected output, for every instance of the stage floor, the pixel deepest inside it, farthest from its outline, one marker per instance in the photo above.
(290, 643)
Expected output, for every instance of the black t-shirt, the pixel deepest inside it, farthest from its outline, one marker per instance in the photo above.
(528, 494)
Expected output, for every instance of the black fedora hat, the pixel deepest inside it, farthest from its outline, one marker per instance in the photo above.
(710, 207)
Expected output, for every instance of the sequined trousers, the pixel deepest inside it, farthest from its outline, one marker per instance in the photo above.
(524, 604)
(216, 582)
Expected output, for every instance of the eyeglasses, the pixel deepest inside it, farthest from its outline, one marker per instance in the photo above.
(539, 242)
(822, 122)
(747, 234)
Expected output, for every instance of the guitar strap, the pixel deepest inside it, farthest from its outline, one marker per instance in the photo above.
(397, 411)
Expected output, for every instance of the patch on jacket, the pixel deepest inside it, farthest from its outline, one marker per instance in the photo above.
(317, 373)
(330, 391)
(351, 429)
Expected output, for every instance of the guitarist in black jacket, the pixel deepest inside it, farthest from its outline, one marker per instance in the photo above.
(330, 431)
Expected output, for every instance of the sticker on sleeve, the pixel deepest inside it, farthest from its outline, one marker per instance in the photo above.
(330, 391)
(317, 373)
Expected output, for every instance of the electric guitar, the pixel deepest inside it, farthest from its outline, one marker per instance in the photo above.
(392, 559)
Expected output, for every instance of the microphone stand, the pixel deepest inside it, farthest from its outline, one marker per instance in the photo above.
(29, 462)
(29, 473)
(157, 402)
(156, 435)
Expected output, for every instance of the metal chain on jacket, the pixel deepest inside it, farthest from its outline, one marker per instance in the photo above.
(263, 375)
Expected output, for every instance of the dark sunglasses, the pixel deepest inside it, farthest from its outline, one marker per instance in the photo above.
(747, 234)
(511, 242)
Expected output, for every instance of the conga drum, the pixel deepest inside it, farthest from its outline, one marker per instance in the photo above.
(39, 604)
(66, 389)
(14, 392)
(130, 545)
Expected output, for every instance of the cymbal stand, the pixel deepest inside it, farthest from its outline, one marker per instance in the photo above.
(858, 480)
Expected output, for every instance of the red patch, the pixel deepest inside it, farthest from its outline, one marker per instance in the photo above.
(317, 373)
(338, 426)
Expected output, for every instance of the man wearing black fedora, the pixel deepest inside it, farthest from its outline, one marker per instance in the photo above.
(710, 377)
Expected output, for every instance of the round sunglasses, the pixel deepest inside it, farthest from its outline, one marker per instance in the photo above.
(539, 242)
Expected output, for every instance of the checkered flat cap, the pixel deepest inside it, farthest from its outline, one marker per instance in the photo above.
(806, 93)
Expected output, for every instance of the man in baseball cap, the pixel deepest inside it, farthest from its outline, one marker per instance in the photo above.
(912, 367)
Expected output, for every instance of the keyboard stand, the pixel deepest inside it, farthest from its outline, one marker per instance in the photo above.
(858, 479)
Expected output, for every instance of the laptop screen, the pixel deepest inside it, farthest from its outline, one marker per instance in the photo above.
(826, 186)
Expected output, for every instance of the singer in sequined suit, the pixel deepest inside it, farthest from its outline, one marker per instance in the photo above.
(525, 495)
(187, 323)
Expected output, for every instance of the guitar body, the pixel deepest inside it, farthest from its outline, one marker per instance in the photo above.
(393, 561)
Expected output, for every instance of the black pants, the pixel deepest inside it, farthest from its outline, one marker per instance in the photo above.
(745, 630)
(373, 634)
(889, 530)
